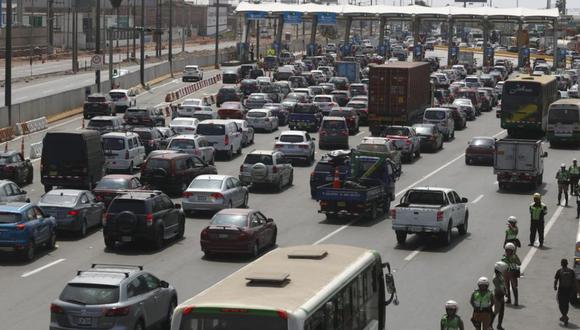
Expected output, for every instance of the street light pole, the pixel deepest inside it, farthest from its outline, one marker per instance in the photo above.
(217, 35)
(8, 62)
(98, 44)
(134, 37)
(142, 62)
(171, 37)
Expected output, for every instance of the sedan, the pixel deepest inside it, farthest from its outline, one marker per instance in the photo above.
(182, 125)
(431, 136)
(214, 193)
(113, 185)
(262, 119)
(279, 111)
(257, 101)
(10, 192)
(480, 149)
(74, 210)
(238, 231)
(342, 97)
(296, 145)
(351, 116)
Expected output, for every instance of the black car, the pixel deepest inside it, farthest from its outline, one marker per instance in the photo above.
(149, 215)
(15, 168)
(298, 82)
(325, 169)
(144, 117)
(98, 105)
(430, 135)
(151, 138)
(249, 86)
(231, 76)
(228, 93)
(340, 83)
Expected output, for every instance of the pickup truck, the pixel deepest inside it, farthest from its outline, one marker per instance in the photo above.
(305, 117)
(429, 210)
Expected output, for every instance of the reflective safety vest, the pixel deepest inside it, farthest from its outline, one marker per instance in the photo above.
(538, 211)
(450, 324)
(574, 170)
(482, 300)
(511, 234)
(562, 176)
(510, 261)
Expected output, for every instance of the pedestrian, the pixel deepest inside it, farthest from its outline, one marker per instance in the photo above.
(482, 303)
(563, 178)
(538, 211)
(577, 207)
(499, 292)
(511, 233)
(566, 278)
(574, 172)
(450, 320)
(513, 272)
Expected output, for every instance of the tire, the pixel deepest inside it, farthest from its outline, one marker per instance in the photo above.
(280, 185)
(331, 216)
(169, 316)
(291, 179)
(274, 238)
(502, 186)
(109, 243)
(446, 236)
(51, 243)
(401, 237)
(255, 250)
(29, 177)
(240, 150)
(464, 227)
(245, 202)
(158, 239)
(84, 227)
(30, 251)
(130, 169)
(418, 153)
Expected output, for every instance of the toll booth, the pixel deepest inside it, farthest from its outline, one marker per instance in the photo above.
(524, 57)
(453, 55)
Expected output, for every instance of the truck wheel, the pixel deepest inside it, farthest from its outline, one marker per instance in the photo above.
(446, 236)
(401, 236)
(463, 228)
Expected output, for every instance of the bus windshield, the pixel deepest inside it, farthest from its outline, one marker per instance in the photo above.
(563, 116)
(242, 320)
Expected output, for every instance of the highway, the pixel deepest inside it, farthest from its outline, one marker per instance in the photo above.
(426, 273)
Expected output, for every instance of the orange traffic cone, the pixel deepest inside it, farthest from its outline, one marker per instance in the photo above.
(336, 181)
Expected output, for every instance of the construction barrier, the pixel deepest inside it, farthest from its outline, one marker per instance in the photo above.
(192, 88)
(6, 134)
(32, 126)
(35, 150)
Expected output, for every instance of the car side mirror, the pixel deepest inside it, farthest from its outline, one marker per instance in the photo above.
(23, 192)
(276, 138)
(177, 206)
(269, 220)
(464, 200)
(163, 284)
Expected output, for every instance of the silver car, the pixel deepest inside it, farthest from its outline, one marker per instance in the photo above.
(213, 193)
(195, 145)
(113, 297)
(10, 192)
(262, 119)
(257, 100)
(267, 167)
(296, 145)
(247, 132)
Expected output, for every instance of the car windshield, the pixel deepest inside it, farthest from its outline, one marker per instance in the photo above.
(482, 142)
(5, 160)
(211, 129)
(291, 138)
(424, 130)
(108, 183)
(144, 135)
(99, 123)
(132, 205)
(425, 197)
(57, 198)
(400, 131)
(154, 163)
(117, 95)
(437, 115)
(90, 294)
(256, 114)
(229, 220)
(111, 143)
(252, 159)
(206, 184)
(372, 147)
(333, 124)
(7, 217)
(178, 144)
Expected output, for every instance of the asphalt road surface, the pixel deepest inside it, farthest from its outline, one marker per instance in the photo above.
(426, 273)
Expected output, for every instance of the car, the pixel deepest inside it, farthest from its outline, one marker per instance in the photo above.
(333, 133)
(262, 119)
(193, 144)
(10, 192)
(151, 138)
(192, 73)
(384, 146)
(213, 193)
(145, 116)
(443, 118)
(106, 124)
(98, 105)
(123, 99)
(202, 115)
(194, 102)
(167, 133)
(25, 227)
(73, 210)
(123, 151)
(325, 102)
(298, 82)
(223, 134)
(430, 135)
(184, 125)
(274, 92)
(185, 111)
(113, 185)
(406, 140)
(252, 232)
(284, 87)
(351, 116)
(257, 101)
(247, 132)
(143, 215)
(296, 145)
(340, 83)
(467, 107)
(249, 86)
(14, 167)
(268, 168)
(459, 116)
(229, 93)
(480, 149)
(278, 110)
(342, 97)
(283, 73)
(231, 76)
(123, 295)
(231, 110)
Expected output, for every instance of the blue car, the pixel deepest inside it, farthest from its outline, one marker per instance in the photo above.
(24, 227)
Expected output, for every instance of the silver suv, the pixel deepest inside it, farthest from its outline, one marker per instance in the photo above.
(113, 297)
(192, 73)
(266, 167)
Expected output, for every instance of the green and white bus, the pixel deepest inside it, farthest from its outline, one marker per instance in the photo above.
(524, 104)
(564, 122)
(323, 287)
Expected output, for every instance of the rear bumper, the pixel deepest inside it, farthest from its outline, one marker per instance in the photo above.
(201, 206)
(248, 179)
(65, 181)
(417, 229)
(226, 246)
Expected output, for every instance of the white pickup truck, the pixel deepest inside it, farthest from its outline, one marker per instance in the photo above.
(429, 210)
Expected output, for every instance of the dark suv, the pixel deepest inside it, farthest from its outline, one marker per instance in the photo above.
(14, 167)
(173, 172)
(151, 138)
(98, 105)
(228, 93)
(144, 117)
(149, 215)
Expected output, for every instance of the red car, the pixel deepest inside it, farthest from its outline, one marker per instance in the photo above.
(238, 231)
(480, 149)
(113, 185)
(231, 110)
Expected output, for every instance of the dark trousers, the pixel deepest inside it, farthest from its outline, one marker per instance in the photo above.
(564, 300)
(537, 226)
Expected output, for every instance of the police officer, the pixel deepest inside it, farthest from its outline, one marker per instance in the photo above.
(512, 273)
(537, 212)
(511, 233)
(563, 178)
(574, 172)
(499, 293)
(450, 320)
(567, 280)
(482, 303)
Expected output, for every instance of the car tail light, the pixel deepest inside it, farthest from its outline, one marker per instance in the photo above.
(117, 311)
(149, 219)
(278, 146)
(274, 169)
(226, 140)
(440, 215)
(73, 212)
(187, 194)
(283, 314)
(393, 214)
(204, 233)
(189, 309)
(216, 196)
(54, 308)
(126, 154)
(21, 227)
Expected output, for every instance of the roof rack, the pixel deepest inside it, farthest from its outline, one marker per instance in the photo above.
(268, 279)
(79, 272)
(316, 254)
(117, 266)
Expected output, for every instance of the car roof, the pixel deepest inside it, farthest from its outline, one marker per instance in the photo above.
(262, 152)
(65, 192)
(237, 211)
(333, 118)
(374, 140)
(293, 132)
(119, 176)
(113, 276)
(13, 206)
(432, 188)
(213, 177)
(118, 91)
(105, 118)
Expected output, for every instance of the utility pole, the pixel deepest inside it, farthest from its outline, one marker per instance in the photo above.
(171, 37)
(158, 28)
(98, 44)
(134, 37)
(142, 62)
(8, 62)
(217, 34)
(49, 25)
(75, 26)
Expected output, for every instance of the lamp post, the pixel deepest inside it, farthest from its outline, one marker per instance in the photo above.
(8, 62)
(142, 61)
(98, 44)
(217, 35)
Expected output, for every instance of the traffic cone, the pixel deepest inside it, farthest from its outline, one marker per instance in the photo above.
(22, 147)
(336, 180)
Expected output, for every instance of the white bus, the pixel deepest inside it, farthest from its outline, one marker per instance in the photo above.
(323, 287)
(564, 122)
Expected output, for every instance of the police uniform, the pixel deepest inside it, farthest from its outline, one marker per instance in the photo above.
(537, 213)
(453, 323)
(563, 178)
(482, 302)
(574, 172)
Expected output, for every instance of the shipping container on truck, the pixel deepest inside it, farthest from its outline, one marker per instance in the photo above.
(399, 93)
(467, 59)
(350, 70)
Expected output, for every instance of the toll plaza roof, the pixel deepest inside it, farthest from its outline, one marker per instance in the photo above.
(401, 12)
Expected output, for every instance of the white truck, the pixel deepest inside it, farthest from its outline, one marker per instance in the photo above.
(430, 210)
(518, 161)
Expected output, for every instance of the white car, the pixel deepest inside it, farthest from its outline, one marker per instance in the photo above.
(296, 145)
(10, 192)
(573, 91)
(263, 80)
(262, 119)
(461, 69)
(223, 134)
(193, 144)
(192, 73)
(184, 125)
(123, 99)
(190, 110)
(123, 151)
(247, 132)
(193, 102)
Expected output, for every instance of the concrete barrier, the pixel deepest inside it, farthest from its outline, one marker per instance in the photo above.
(32, 126)
(6, 134)
(35, 150)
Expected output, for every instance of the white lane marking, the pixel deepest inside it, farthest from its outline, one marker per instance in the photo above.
(477, 199)
(534, 249)
(39, 269)
(333, 233)
(413, 254)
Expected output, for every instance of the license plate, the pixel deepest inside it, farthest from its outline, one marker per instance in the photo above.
(202, 198)
(52, 173)
(343, 204)
(223, 236)
(291, 147)
(84, 320)
(126, 238)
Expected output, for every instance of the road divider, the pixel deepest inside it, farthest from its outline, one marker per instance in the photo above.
(6, 134)
(184, 91)
(32, 126)
(35, 150)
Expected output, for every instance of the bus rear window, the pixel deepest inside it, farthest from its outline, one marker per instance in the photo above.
(563, 116)
(234, 321)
